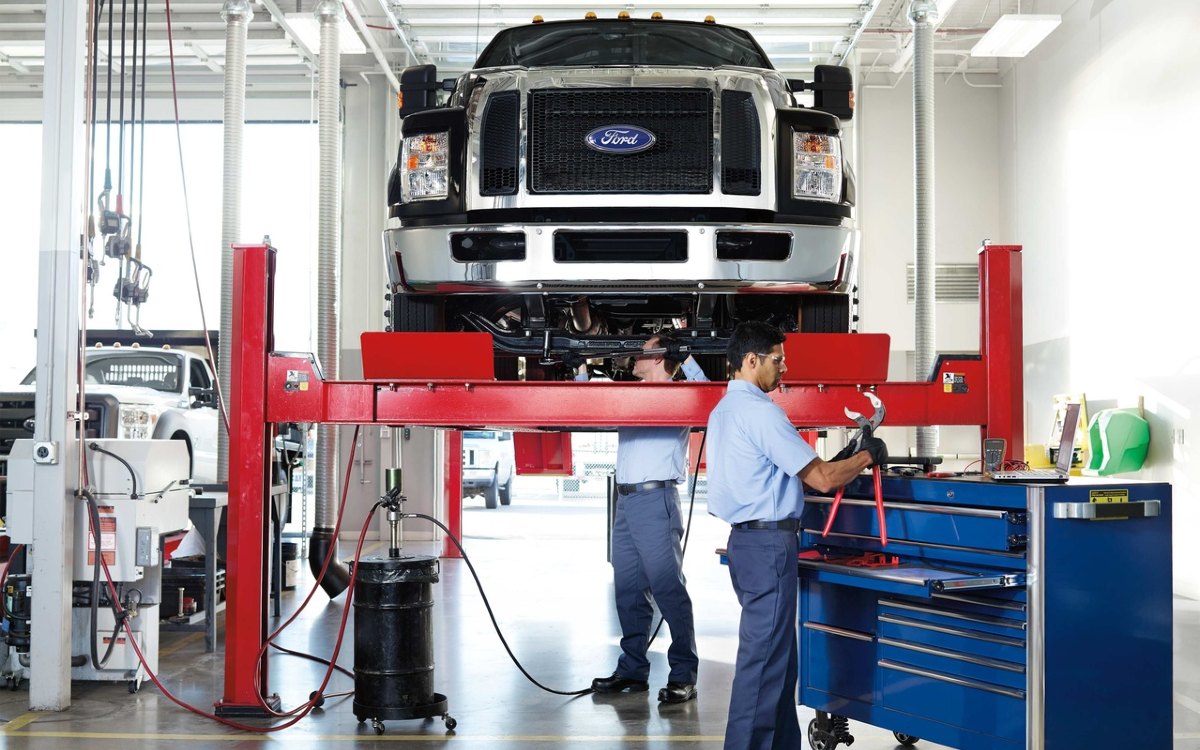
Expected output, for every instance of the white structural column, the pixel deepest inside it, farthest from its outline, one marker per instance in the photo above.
(923, 15)
(237, 15)
(59, 282)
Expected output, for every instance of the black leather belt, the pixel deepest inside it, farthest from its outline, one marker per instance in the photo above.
(787, 524)
(629, 489)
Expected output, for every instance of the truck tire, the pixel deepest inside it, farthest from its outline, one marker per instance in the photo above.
(491, 494)
(505, 493)
(825, 313)
(413, 314)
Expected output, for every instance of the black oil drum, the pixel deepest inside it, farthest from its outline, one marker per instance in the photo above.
(393, 638)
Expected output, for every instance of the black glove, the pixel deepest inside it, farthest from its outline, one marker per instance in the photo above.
(675, 352)
(850, 449)
(877, 448)
(573, 360)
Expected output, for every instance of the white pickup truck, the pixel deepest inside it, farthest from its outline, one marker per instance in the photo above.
(134, 392)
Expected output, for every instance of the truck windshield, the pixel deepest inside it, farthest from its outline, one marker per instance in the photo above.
(623, 42)
(162, 372)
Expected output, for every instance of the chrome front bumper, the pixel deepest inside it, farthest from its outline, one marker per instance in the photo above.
(419, 260)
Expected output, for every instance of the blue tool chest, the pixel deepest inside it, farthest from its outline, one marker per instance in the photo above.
(1011, 616)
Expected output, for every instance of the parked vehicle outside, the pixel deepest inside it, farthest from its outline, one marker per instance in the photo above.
(489, 466)
(134, 392)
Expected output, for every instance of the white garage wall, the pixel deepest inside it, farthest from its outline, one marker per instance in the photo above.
(1101, 121)
(967, 210)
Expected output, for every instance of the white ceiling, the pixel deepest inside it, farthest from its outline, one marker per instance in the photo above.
(796, 34)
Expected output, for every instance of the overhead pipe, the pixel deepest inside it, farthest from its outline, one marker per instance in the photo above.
(329, 14)
(237, 15)
(923, 16)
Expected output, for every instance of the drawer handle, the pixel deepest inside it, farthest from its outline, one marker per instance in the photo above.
(973, 634)
(831, 630)
(1018, 694)
(981, 619)
(1007, 666)
(1108, 511)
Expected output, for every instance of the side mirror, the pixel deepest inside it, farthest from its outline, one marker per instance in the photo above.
(833, 90)
(418, 89)
(202, 397)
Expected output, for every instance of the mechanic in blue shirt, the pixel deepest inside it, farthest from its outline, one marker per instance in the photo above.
(647, 556)
(757, 468)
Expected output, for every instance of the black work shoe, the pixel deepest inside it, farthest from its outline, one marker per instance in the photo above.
(616, 683)
(677, 692)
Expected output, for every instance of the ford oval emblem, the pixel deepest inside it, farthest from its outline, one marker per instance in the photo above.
(620, 139)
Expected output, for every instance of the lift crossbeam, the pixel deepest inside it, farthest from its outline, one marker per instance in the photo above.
(539, 404)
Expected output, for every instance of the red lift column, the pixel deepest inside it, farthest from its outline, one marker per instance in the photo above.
(453, 490)
(1001, 344)
(249, 523)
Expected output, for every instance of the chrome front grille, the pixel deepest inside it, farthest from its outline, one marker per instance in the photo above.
(681, 160)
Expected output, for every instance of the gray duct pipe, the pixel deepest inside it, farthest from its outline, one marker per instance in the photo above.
(329, 15)
(237, 15)
(923, 14)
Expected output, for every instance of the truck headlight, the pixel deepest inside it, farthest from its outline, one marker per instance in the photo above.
(425, 162)
(817, 167)
(136, 421)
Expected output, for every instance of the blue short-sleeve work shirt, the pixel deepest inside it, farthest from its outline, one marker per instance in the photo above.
(754, 457)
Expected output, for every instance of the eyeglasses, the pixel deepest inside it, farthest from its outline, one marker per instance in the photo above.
(778, 359)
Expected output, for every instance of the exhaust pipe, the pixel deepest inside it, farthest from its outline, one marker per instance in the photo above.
(329, 14)
(337, 577)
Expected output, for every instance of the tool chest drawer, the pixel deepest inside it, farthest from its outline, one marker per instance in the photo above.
(847, 666)
(958, 664)
(951, 637)
(982, 707)
(905, 577)
(987, 529)
(954, 619)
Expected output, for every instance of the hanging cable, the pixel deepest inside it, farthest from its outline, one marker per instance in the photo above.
(133, 72)
(329, 556)
(91, 220)
(142, 135)
(187, 214)
(488, 606)
(121, 118)
(107, 217)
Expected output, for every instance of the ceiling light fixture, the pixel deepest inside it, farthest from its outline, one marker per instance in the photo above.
(1015, 35)
(308, 30)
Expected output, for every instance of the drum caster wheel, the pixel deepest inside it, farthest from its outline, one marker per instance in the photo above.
(377, 725)
(906, 739)
(818, 739)
(451, 723)
(318, 700)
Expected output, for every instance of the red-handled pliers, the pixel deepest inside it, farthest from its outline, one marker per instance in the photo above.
(866, 427)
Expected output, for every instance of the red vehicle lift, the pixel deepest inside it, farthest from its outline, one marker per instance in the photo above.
(829, 371)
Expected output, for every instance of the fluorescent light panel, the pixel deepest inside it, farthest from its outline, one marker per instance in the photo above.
(1015, 35)
(306, 27)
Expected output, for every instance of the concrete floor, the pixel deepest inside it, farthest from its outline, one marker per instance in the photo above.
(542, 564)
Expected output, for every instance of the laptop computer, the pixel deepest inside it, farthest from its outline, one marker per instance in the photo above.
(1066, 451)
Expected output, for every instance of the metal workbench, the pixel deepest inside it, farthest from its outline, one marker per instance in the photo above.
(1019, 615)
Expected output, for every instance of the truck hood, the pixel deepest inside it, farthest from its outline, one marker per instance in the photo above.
(126, 394)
